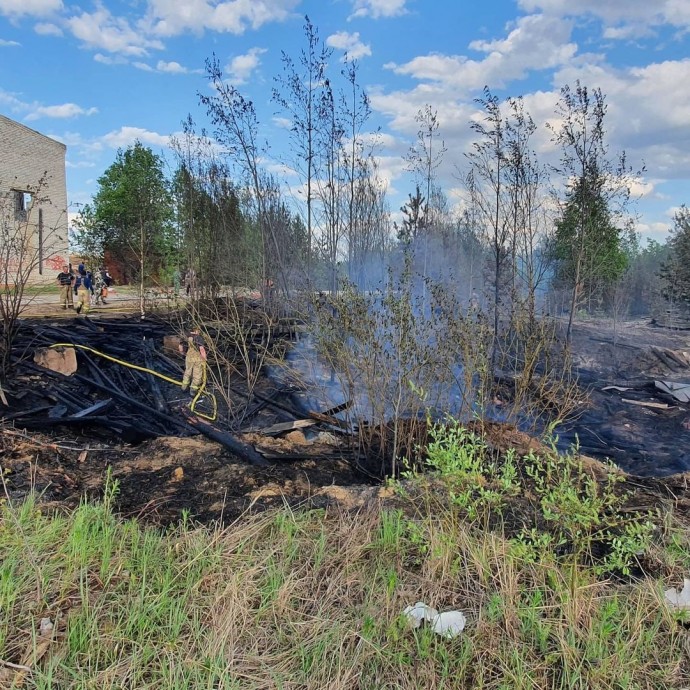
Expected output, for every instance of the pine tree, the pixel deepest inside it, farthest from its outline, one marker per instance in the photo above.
(588, 247)
(675, 272)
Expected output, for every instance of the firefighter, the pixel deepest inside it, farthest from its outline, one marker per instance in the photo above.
(65, 280)
(82, 288)
(195, 362)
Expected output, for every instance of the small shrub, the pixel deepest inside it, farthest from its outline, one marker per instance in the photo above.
(571, 512)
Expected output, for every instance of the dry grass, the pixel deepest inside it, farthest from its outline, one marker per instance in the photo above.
(307, 599)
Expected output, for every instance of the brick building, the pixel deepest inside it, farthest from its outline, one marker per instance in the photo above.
(33, 202)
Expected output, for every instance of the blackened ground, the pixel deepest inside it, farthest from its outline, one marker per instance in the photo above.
(159, 479)
(641, 440)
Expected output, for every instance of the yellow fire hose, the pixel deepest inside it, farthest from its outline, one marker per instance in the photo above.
(154, 373)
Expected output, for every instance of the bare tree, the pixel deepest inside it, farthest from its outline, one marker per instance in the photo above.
(26, 247)
(488, 164)
(331, 184)
(369, 231)
(299, 96)
(237, 129)
(423, 159)
(355, 112)
(527, 184)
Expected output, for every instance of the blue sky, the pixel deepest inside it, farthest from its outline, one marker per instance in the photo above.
(98, 75)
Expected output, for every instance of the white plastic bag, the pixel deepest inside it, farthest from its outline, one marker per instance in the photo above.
(448, 624)
(418, 613)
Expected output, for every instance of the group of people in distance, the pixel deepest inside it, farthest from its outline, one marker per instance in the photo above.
(84, 286)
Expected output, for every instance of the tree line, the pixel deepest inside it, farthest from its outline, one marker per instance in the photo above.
(530, 235)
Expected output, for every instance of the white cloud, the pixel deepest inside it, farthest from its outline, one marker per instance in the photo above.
(79, 164)
(282, 122)
(534, 42)
(11, 101)
(126, 136)
(626, 18)
(402, 107)
(350, 43)
(110, 59)
(66, 110)
(48, 29)
(8, 44)
(377, 8)
(75, 142)
(35, 110)
(375, 140)
(281, 170)
(36, 8)
(240, 68)
(175, 68)
(389, 169)
(101, 30)
(619, 33)
(172, 17)
(653, 230)
(647, 111)
(640, 187)
(166, 67)
(172, 67)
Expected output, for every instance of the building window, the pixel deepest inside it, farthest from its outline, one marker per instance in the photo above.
(22, 204)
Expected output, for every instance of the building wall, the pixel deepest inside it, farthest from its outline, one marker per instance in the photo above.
(35, 164)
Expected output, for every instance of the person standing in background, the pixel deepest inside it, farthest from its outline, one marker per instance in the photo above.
(64, 281)
(100, 287)
(190, 283)
(82, 288)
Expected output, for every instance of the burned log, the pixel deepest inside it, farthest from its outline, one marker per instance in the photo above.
(242, 450)
(96, 407)
(324, 418)
(26, 413)
(262, 403)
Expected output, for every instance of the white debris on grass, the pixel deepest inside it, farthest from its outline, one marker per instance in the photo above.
(679, 600)
(448, 624)
(418, 613)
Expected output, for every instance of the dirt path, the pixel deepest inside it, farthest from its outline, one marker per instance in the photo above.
(122, 300)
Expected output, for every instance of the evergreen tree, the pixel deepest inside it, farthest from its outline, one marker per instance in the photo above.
(675, 272)
(590, 245)
(415, 218)
(589, 249)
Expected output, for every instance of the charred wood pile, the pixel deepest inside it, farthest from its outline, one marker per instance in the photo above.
(117, 380)
(54, 384)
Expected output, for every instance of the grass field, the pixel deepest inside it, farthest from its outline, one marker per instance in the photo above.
(299, 598)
